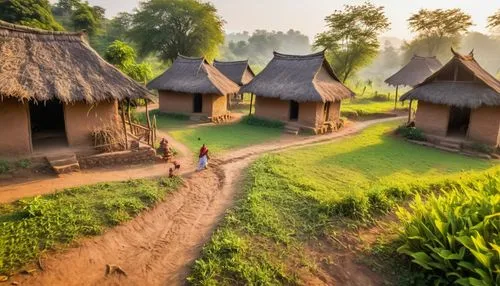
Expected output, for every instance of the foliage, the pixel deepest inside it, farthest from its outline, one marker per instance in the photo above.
(32, 13)
(367, 108)
(84, 18)
(173, 27)
(411, 133)
(456, 235)
(494, 20)
(23, 164)
(252, 120)
(123, 57)
(77, 16)
(481, 147)
(352, 37)
(292, 198)
(436, 30)
(31, 226)
(4, 167)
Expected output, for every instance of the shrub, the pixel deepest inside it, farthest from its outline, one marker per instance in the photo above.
(23, 164)
(252, 120)
(483, 148)
(4, 167)
(411, 133)
(380, 97)
(456, 236)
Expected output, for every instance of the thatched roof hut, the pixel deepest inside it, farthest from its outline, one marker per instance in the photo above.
(194, 75)
(462, 99)
(237, 71)
(471, 86)
(43, 65)
(298, 78)
(195, 87)
(414, 72)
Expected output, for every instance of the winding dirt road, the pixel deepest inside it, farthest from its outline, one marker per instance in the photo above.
(159, 246)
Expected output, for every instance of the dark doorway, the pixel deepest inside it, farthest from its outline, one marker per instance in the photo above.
(458, 123)
(326, 111)
(294, 110)
(197, 103)
(47, 124)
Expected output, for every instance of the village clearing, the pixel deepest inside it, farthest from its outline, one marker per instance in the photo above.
(279, 216)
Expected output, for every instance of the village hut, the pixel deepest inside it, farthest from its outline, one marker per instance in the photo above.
(301, 90)
(55, 90)
(240, 73)
(460, 100)
(194, 87)
(413, 73)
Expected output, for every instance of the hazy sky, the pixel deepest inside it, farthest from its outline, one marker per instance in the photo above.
(308, 15)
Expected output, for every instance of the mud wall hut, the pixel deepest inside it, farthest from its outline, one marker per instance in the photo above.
(301, 90)
(192, 86)
(55, 90)
(237, 71)
(460, 100)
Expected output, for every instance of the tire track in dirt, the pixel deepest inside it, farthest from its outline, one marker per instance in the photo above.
(160, 245)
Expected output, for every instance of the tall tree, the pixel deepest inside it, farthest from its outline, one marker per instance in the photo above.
(352, 37)
(87, 18)
(32, 13)
(438, 28)
(494, 20)
(123, 57)
(172, 27)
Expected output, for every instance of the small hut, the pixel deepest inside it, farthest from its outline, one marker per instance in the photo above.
(413, 73)
(460, 100)
(55, 90)
(192, 86)
(301, 90)
(237, 71)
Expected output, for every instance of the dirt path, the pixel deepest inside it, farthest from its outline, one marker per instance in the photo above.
(159, 246)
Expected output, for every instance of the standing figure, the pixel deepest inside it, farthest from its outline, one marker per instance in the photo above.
(203, 158)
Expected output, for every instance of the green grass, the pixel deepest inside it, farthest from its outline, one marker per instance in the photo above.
(29, 227)
(295, 197)
(365, 107)
(221, 138)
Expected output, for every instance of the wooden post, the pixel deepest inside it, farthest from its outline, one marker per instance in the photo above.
(251, 102)
(149, 125)
(396, 98)
(410, 112)
(124, 125)
(154, 128)
(129, 118)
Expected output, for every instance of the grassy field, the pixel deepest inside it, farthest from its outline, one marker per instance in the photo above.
(219, 138)
(366, 107)
(29, 227)
(295, 197)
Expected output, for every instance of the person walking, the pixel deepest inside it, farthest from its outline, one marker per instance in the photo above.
(203, 158)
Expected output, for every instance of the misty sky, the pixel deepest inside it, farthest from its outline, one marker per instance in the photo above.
(308, 15)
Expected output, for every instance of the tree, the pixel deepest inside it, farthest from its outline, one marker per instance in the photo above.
(123, 57)
(87, 18)
(172, 27)
(494, 20)
(438, 28)
(32, 13)
(352, 37)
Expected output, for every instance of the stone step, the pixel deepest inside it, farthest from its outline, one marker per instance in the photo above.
(64, 163)
(450, 144)
(292, 129)
(447, 149)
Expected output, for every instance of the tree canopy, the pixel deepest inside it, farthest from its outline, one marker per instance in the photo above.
(172, 27)
(494, 20)
(123, 57)
(437, 30)
(352, 37)
(32, 13)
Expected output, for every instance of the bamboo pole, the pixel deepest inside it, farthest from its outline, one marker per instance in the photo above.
(129, 118)
(251, 102)
(396, 98)
(149, 125)
(124, 125)
(410, 112)
(154, 128)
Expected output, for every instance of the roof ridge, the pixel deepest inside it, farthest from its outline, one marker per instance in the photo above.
(30, 30)
(308, 56)
(231, 62)
(179, 56)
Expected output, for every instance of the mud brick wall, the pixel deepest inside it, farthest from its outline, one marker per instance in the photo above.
(143, 155)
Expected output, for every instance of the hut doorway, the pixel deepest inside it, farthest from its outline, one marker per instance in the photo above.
(47, 124)
(458, 123)
(197, 103)
(294, 110)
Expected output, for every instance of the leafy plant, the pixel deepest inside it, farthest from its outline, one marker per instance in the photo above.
(23, 164)
(456, 235)
(481, 147)
(4, 167)
(411, 133)
(256, 121)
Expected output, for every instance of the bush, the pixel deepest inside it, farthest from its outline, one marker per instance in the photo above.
(411, 133)
(380, 97)
(482, 148)
(255, 121)
(4, 167)
(456, 236)
(23, 164)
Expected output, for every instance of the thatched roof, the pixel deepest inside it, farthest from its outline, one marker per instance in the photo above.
(462, 82)
(194, 75)
(237, 71)
(43, 65)
(415, 72)
(299, 78)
